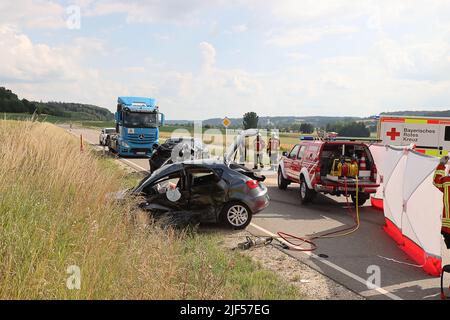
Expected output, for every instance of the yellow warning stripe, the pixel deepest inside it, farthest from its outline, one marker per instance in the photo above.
(446, 223)
(438, 173)
(419, 121)
(446, 200)
(435, 152)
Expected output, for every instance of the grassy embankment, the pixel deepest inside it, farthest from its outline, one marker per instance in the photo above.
(54, 213)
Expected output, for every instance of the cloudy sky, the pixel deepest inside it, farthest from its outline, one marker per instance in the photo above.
(211, 58)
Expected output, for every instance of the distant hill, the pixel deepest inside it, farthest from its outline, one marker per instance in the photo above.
(279, 121)
(444, 113)
(10, 102)
(76, 111)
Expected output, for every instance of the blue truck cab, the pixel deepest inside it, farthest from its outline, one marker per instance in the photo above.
(137, 127)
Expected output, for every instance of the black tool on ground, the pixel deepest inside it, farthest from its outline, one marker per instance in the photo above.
(252, 243)
(445, 269)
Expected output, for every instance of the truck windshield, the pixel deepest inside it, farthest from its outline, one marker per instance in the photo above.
(140, 120)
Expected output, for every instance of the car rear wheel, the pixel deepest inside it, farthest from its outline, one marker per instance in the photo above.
(236, 215)
(282, 182)
(306, 194)
(362, 198)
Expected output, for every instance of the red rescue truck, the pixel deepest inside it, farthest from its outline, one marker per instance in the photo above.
(330, 167)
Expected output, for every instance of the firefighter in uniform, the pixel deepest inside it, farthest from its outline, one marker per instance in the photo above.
(442, 181)
(259, 145)
(273, 146)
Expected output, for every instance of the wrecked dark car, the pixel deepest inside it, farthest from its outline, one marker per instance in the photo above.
(202, 191)
(177, 150)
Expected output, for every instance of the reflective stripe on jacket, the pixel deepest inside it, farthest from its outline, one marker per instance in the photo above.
(442, 182)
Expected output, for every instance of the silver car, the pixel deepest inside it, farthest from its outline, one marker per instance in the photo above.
(104, 136)
(203, 191)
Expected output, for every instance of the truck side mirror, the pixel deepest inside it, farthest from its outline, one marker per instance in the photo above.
(162, 120)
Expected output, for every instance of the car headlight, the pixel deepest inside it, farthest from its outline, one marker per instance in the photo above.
(124, 144)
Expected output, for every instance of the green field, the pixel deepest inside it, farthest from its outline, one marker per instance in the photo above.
(57, 120)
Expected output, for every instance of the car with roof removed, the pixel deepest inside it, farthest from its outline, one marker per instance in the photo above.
(203, 191)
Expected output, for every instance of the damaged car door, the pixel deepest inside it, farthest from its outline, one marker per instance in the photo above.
(166, 194)
(208, 192)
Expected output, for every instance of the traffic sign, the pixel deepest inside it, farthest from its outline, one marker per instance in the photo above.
(226, 122)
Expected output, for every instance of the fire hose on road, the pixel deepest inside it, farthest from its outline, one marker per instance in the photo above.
(289, 238)
(294, 242)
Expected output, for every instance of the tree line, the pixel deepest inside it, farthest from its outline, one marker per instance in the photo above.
(10, 102)
(345, 129)
(351, 129)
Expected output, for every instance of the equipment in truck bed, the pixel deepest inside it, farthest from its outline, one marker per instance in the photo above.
(327, 166)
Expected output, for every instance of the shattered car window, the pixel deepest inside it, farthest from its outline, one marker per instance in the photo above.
(164, 184)
(202, 177)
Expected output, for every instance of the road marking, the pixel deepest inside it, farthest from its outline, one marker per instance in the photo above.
(331, 265)
(131, 163)
(417, 283)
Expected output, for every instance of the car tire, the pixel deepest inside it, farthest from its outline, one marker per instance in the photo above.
(362, 198)
(306, 194)
(282, 182)
(236, 215)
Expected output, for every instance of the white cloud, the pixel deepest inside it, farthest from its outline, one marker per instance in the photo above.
(134, 69)
(208, 54)
(162, 37)
(34, 14)
(312, 9)
(299, 36)
(426, 60)
(151, 11)
(25, 61)
(399, 56)
(297, 56)
(239, 28)
(42, 72)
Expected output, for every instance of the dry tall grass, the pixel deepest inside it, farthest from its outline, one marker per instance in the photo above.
(54, 213)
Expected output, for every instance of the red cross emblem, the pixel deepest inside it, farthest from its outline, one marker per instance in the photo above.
(393, 133)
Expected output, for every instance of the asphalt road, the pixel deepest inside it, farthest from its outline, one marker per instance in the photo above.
(351, 260)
